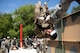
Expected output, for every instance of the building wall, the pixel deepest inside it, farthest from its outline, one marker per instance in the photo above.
(68, 40)
(72, 29)
(52, 45)
(72, 47)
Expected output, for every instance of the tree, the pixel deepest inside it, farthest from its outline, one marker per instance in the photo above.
(24, 15)
(75, 9)
(12, 33)
(10, 23)
(5, 24)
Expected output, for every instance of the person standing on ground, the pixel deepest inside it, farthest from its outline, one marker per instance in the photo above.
(7, 44)
(26, 42)
(3, 45)
(14, 42)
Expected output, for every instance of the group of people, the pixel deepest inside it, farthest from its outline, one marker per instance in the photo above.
(40, 44)
(8, 44)
(34, 43)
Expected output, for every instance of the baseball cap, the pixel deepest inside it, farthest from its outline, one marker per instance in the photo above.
(8, 37)
(4, 38)
(14, 37)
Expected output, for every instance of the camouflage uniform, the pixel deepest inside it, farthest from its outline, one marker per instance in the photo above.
(3, 45)
(14, 42)
(7, 44)
(41, 21)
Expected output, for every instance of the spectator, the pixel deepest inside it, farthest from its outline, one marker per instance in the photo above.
(14, 42)
(3, 45)
(7, 44)
(26, 42)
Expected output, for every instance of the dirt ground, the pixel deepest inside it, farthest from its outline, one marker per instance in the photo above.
(0, 50)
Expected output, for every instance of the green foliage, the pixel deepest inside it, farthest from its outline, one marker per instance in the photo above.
(75, 9)
(10, 23)
(28, 30)
(5, 24)
(24, 15)
(12, 33)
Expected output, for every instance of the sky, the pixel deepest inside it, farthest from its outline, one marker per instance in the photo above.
(8, 6)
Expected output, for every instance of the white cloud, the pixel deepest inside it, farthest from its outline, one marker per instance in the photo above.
(53, 7)
(7, 11)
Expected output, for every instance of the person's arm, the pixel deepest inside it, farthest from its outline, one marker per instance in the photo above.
(60, 10)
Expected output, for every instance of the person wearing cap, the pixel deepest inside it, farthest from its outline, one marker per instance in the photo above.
(3, 45)
(7, 44)
(14, 42)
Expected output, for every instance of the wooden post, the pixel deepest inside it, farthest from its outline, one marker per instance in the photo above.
(21, 35)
